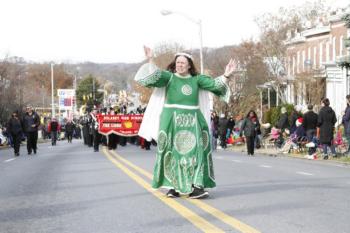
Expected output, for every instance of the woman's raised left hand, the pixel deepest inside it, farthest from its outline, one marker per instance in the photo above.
(230, 68)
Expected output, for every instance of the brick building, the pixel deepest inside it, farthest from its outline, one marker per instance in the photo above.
(311, 63)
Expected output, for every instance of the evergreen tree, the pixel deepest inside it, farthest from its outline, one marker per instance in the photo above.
(87, 90)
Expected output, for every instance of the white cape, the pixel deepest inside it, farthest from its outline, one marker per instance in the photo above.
(151, 118)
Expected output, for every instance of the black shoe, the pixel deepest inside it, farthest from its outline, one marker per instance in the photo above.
(95, 150)
(325, 157)
(198, 193)
(16, 154)
(29, 152)
(172, 193)
(35, 152)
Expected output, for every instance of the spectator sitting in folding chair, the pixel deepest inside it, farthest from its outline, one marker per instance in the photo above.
(297, 139)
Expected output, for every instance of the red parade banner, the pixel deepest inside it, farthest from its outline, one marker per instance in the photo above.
(124, 125)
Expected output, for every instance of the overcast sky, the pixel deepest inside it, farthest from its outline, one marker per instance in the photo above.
(114, 31)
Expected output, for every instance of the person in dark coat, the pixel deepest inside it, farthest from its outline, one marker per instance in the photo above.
(95, 134)
(294, 116)
(326, 122)
(310, 120)
(299, 132)
(139, 110)
(250, 127)
(283, 123)
(346, 122)
(70, 127)
(31, 123)
(113, 138)
(85, 128)
(54, 129)
(15, 129)
(222, 129)
(89, 124)
(214, 122)
(230, 126)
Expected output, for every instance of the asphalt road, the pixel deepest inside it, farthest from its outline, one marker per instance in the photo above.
(70, 188)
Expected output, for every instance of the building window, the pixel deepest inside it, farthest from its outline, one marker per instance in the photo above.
(321, 55)
(314, 64)
(341, 46)
(303, 60)
(298, 61)
(289, 65)
(333, 45)
(348, 50)
(293, 66)
(327, 52)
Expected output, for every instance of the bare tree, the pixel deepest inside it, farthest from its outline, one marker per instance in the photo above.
(313, 87)
(276, 28)
(164, 54)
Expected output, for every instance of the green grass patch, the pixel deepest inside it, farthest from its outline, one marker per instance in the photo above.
(345, 159)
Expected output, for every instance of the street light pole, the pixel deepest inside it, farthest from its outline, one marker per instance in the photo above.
(261, 88)
(93, 90)
(199, 24)
(52, 100)
(268, 98)
(75, 94)
(201, 45)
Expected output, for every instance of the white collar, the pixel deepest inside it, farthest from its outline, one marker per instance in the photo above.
(181, 76)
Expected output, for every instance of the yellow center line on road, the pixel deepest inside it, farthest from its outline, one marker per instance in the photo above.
(229, 220)
(188, 214)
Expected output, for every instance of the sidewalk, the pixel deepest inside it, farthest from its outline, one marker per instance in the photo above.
(4, 147)
(24, 143)
(274, 152)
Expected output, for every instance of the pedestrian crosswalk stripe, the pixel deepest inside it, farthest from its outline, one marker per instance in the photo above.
(229, 220)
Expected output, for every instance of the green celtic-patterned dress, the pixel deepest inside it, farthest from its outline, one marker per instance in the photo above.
(184, 154)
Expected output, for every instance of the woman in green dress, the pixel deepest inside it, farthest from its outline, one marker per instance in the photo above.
(184, 161)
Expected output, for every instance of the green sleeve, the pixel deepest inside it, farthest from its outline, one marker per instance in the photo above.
(158, 78)
(217, 86)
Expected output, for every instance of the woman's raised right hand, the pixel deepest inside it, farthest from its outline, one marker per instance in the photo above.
(148, 52)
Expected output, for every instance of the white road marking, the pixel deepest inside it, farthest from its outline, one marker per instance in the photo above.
(9, 160)
(305, 173)
(219, 157)
(265, 166)
(236, 161)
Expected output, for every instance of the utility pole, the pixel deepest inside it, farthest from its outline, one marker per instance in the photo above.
(52, 100)
(93, 90)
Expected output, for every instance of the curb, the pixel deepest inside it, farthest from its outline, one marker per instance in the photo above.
(277, 154)
(4, 147)
(23, 143)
